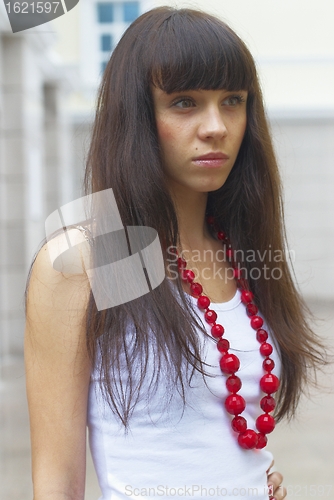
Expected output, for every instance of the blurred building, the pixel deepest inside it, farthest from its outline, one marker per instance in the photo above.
(49, 78)
(36, 162)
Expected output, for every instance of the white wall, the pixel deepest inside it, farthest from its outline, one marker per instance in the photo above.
(305, 149)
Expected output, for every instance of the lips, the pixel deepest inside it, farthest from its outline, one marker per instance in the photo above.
(211, 160)
(212, 156)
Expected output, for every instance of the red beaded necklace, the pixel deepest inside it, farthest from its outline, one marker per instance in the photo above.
(230, 363)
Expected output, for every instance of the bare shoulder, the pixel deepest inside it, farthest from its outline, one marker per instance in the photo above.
(67, 275)
(57, 300)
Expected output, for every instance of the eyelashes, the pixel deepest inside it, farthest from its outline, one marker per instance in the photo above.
(184, 99)
(238, 98)
(232, 100)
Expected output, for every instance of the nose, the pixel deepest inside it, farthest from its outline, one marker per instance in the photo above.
(212, 124)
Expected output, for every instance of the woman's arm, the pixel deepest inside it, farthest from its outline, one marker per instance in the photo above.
(57, 374)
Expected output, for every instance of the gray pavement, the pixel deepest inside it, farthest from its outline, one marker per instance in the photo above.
(303, 449)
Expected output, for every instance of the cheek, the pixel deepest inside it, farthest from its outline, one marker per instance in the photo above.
(167, 141)
(171, 135)
(166, 132)
(239, 132)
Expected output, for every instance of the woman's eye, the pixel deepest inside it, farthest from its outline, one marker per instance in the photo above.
(184, 103)
(234, 100)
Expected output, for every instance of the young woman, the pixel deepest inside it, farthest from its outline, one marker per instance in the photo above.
(179, 386)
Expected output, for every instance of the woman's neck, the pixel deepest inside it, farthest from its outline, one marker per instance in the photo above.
(193, 229)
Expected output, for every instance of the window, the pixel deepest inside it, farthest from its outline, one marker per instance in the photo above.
(105, 12)
(112, 18)
(130, 11)
(106, 43)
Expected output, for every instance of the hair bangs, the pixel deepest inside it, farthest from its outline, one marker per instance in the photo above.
(193, 52)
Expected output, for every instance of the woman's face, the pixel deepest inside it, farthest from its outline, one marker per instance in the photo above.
(194, 124)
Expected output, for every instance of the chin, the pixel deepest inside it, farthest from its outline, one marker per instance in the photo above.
(214, 182)
(213, 186)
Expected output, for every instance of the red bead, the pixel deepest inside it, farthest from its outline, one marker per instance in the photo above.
(268, 364)
(210, 316)
(235, 404)
(248, 439)
(229, 254)
(229, 363)
(265, 423)
(256, 322)
(190, 276)
(251, 309)
(239, 424)
(237, 273)
(233, 383)
(196, 289)
(269, 383)
(210, 219)
(246, 296)
(187, 275)
(223, 345)
(181, 263)
(266, 349)
(217, 331)
(261, 442)
(221, 235)
(261, 335)
(203, 302)
(267, 404)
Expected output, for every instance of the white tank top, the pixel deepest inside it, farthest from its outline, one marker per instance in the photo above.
(192, 452)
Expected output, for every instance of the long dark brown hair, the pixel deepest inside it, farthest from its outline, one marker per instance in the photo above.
(176, 50)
